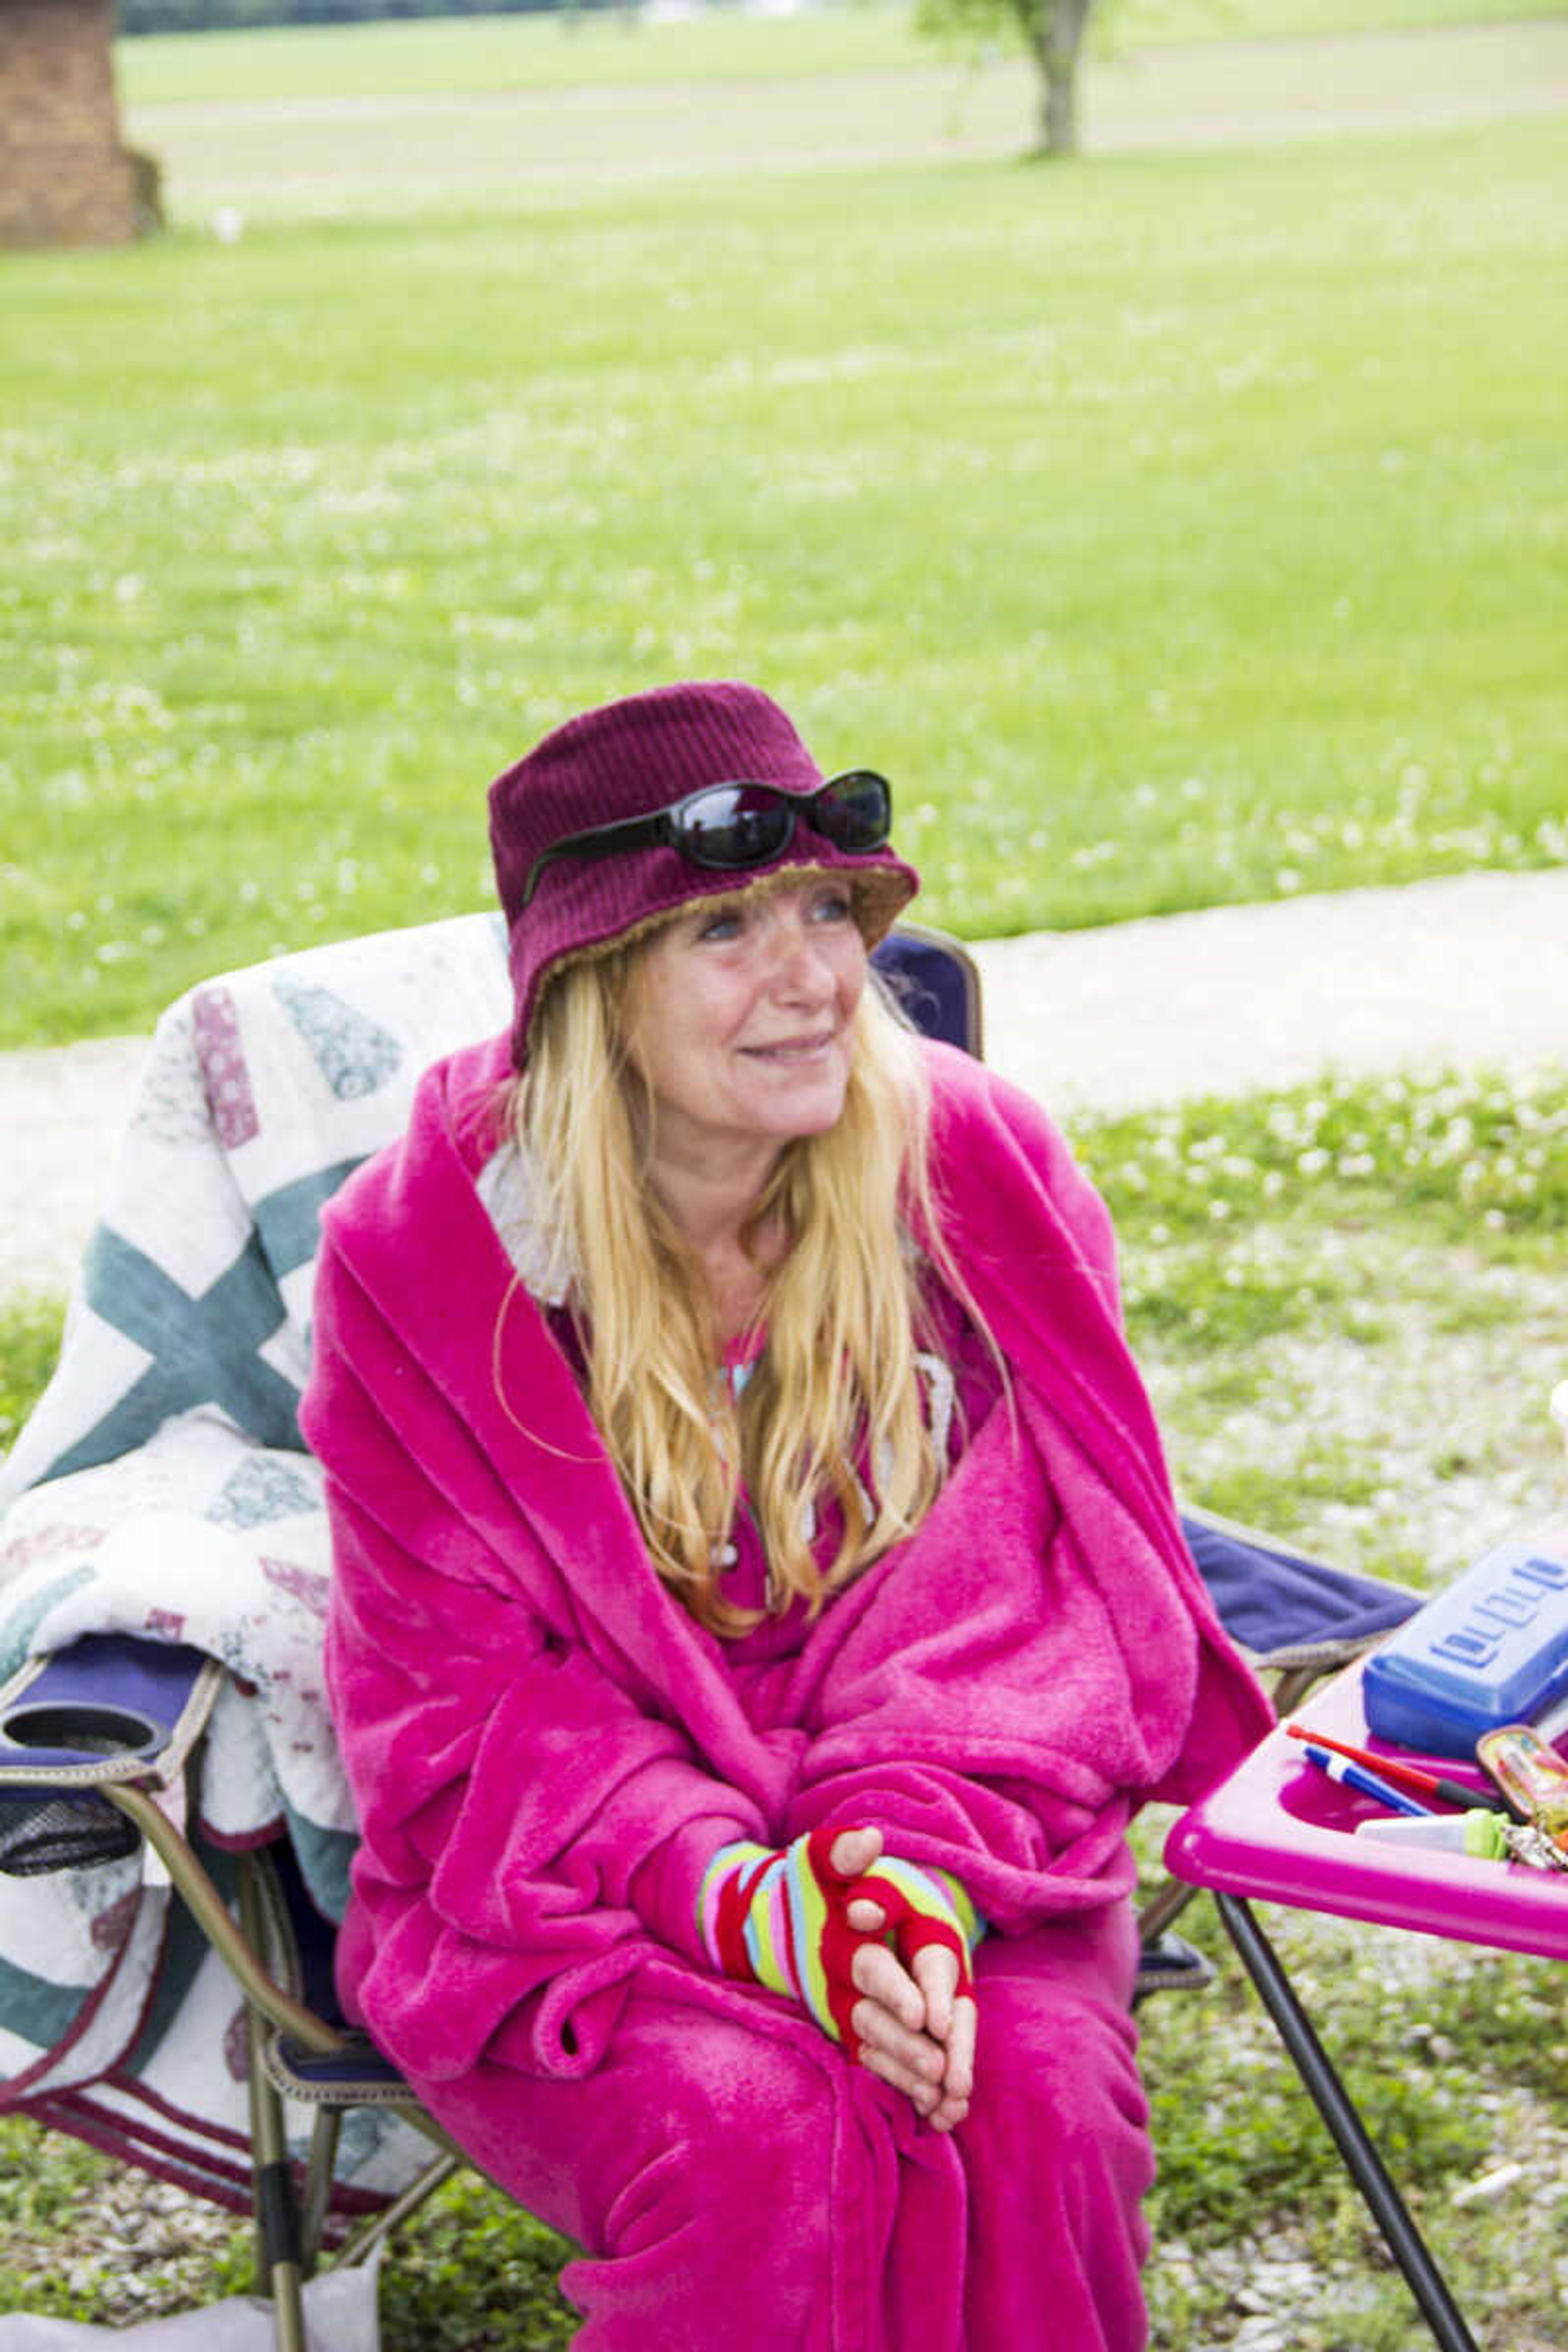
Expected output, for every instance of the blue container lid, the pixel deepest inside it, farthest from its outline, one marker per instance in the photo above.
(1492, 1648)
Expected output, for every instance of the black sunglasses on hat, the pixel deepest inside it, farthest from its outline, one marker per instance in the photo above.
(730, 827)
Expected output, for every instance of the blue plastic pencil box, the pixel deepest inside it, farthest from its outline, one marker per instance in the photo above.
(1491, 1649)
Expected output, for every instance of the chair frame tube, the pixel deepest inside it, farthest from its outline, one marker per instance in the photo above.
(362, 2244)
(287, 2240)
(279, 2264)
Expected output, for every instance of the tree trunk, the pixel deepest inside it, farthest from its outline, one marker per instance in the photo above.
(1055, 37)
(1059, 105)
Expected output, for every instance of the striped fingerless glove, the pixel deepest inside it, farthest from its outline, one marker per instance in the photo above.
(781, 1919)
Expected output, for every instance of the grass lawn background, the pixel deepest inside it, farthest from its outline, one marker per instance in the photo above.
(1172, 529)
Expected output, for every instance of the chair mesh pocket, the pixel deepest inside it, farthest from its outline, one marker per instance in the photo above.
(63, 1833)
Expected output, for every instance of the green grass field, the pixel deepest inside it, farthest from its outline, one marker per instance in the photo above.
(450, 54)
(1173, 529)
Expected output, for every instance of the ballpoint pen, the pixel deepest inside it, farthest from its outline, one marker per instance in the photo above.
(1420, 1783)
(1365, 1783)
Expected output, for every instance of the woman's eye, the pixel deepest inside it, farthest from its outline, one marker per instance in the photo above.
(833, 907)
(719, 927)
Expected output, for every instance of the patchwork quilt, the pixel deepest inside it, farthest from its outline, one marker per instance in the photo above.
(161, 1488)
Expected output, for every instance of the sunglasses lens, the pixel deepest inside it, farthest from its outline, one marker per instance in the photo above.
(855, 812)
(734, 825)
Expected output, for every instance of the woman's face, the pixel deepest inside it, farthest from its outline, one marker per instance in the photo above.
(737, 1017)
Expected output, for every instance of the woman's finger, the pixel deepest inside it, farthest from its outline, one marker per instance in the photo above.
(935, 1971)
(876, 1971)
(958, 2079)
(853, 1851)
(922, 2095)
(866, 1919)
(877, 2029)
(940, 2108)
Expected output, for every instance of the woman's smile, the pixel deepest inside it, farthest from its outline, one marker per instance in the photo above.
(793, 1049)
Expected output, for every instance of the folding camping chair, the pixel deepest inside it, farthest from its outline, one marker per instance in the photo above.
(163, 1577)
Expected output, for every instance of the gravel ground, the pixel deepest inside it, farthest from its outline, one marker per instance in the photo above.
(1469, 971)
(157, 2245)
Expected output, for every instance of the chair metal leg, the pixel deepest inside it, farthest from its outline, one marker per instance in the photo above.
(319, 2174)
(286, 2253)
(1290, 1688)
(278, 2266)
(1349, 2134)
(1164, 1907)
(364, 2241)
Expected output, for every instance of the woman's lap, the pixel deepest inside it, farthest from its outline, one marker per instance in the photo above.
(738, 2184)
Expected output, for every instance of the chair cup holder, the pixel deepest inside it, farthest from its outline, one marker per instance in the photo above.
(81, 1727)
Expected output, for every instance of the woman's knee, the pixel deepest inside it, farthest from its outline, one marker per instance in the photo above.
(1061, 2074)
(1057, 2158)
(723, 2210)
(709, 2123)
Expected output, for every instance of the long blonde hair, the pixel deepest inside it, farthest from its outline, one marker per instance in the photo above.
(837, 1384)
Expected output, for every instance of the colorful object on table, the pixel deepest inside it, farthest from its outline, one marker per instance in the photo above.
(1406, 1776)
(1365, 1783)
(781, 1919)
(1528, 1844)
(1481, 1835)
(1491, 1650)
(1531, 1776)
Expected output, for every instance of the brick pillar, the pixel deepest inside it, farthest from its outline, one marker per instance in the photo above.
(64, 178)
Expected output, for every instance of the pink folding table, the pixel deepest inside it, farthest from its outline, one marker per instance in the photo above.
(1280, 1832)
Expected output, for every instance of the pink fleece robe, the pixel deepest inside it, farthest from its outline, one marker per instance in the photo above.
(528, 1716)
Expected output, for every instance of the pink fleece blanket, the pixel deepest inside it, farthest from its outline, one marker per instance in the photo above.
(526, 1714)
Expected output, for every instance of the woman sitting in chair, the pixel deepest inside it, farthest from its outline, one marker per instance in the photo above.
(760, 1604)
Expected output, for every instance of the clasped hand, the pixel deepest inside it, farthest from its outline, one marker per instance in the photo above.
(916, 2031)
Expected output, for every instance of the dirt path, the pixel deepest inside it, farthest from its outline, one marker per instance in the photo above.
(1224, 93)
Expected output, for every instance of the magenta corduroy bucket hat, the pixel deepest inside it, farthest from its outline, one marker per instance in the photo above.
(631, 758)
